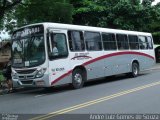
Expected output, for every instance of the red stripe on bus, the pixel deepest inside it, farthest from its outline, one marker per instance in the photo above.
(80, 57)
(61, 77)
(116, 54)
(100, 58)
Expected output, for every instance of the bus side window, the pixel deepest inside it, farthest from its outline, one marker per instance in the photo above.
(143, 42)
(133, 42)
(122, 42)
(59, 45)
(93, 41)
(76, 40)
(149, 41)
(109, 41)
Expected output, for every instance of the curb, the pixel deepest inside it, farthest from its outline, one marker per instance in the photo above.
(155, 67)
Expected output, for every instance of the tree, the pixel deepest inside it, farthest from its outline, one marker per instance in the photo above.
(5, 6)
(119, 14)
(33, 11)
(106, 13)
(87, 12)
(155, 26)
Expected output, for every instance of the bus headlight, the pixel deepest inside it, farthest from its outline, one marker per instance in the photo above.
(40, 72)
(14, 76)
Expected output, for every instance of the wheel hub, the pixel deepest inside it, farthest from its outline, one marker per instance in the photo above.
(78, 78)
(135, 70)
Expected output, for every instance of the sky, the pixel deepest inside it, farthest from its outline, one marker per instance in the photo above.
(4, 35)
(156, 1)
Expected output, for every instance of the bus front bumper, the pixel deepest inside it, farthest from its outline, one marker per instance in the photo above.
(37, 82)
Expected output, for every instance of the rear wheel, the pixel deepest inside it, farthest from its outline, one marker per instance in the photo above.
(135, 69)
(77, 79)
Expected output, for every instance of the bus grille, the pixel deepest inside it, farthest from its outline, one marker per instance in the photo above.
(25, 77)
(26, 71)
(27, 82)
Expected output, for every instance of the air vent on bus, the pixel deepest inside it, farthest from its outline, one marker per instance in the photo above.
(29, 71)
(29, 82)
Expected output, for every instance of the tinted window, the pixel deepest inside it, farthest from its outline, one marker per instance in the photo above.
(109, 41)
(28, 49)
(59, 46)
(133, 42)
(93, 41)
(76, 41)
(143, 42)
(122, 42)
(149, 40)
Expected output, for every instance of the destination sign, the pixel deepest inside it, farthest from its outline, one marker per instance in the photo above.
(31, 30)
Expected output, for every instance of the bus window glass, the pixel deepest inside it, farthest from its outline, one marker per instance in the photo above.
(59, 46)
(28, 48)
(17, 52)
(76, 41)
(133, 42)
(109, 41)
(143, 42)
(122, 42)
(93, 41)
(149, 40)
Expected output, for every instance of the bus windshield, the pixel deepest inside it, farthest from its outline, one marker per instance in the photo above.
(28, 47)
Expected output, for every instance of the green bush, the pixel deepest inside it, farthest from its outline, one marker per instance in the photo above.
(156, 38)
(1, 76)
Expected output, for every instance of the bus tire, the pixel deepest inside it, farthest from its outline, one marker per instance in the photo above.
(48, 88)
(135, 69)
(77, 79)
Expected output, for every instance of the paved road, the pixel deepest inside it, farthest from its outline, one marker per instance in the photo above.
(118, 94)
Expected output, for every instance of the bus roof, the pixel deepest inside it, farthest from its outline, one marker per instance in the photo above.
(87, 28)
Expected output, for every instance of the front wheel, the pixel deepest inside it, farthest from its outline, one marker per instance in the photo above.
(77, 79)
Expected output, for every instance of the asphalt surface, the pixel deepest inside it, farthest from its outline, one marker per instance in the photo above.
(112, 95)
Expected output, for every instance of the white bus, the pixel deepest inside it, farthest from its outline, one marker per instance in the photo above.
(50, 54)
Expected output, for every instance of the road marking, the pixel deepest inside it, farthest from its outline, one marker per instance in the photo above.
(153, 68)
(92, 102)
(40, 95)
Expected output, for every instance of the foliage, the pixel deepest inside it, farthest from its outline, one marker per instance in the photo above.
(87, 12)
(1, 76)
(6, 6)
(33, 11)
(155, 25)
(156, 38)
(121, 14)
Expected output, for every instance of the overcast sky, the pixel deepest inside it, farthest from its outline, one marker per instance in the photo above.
(3, 35)
(156, 1)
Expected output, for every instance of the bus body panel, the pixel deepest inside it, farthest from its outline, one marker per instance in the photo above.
(57, 69)
(120, 66)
